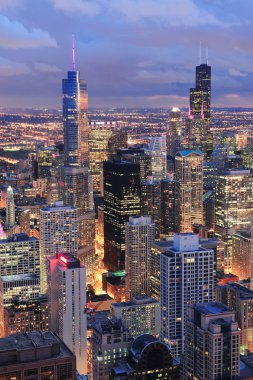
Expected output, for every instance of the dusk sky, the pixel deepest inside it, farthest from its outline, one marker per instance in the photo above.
(133, 53)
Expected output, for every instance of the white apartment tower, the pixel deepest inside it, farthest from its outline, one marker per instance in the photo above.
(186, 277)
(67, 300)
(58, 233)
(140, 234)
(10, 208)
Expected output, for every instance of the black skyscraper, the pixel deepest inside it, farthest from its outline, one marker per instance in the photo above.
(200, 100)
(121, 200)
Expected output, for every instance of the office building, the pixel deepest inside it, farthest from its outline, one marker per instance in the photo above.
(239, 299)
(10, 208)
(67, 300)
(36, 355)
(212, 343)
(140, 234)
(21, 287)
(200, 101)
(233, 206)
(189, 189)
(174, 132)
(241, 255)
(157, 150)
(121, 200)
(141, 315)
(19, 254)
(75, 118)
(109, 344)
(168, 204)
(148, 358)
(196, 130)
(140, 156)
(26, 316)
(58, 231)
(151, 203)
(104, 140)
(186, 277)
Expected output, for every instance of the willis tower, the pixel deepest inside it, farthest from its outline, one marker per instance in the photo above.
(200, 103)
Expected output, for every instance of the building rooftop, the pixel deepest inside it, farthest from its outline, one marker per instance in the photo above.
(187, 152)
(245, 293)
(20, 277)
(109, 326)
(19, 238)
(47, 342)
(211, 308)
(136, 301)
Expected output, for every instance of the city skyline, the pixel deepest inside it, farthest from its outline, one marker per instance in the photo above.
(131, 55)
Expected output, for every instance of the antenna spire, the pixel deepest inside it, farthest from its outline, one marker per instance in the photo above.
(73, 53)
(207, 55)
(200, 52)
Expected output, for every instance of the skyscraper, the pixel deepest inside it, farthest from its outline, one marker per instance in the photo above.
(58, 226)
(74, 176)
(140, 234)
(67, 300)
(212, 343)
(200, 103)
(174, 132)
(158, 152)
(10, 208)
(233, 206)
(186, 277)
(151, 203)
(189, 189)
(121, 200)
(75, 117)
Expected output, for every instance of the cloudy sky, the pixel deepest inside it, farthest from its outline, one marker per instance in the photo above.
(131, 52)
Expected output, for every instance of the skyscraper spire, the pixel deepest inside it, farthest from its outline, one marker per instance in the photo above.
(200, 52)
(207, 55)
(73, 53)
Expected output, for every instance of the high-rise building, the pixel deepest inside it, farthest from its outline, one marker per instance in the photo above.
(10, 208)
(189, 189)
(26, 316)
(67, 300)
(158, 151)
(58, 231)
(233, 206)
(110, 342)
(140, 156)
(141, 315)
(212, 343)
(75, 181)
(75, 118)
(186, 277)
(200, 103)
(240, 299)
(151, 203)
(140, 234)
(168, 203)
(121, 200)
(174, 132)
(196, 130)
(20, 267)
(241, 254)
(104, 140)
(36, 355)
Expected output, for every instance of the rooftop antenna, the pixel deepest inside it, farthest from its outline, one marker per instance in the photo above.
(73, 53)
(200, 52)
(207, 55)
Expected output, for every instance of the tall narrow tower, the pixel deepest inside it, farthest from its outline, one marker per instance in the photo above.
(75, 117)
(200, 102)
(74, 183)
(10, 208)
